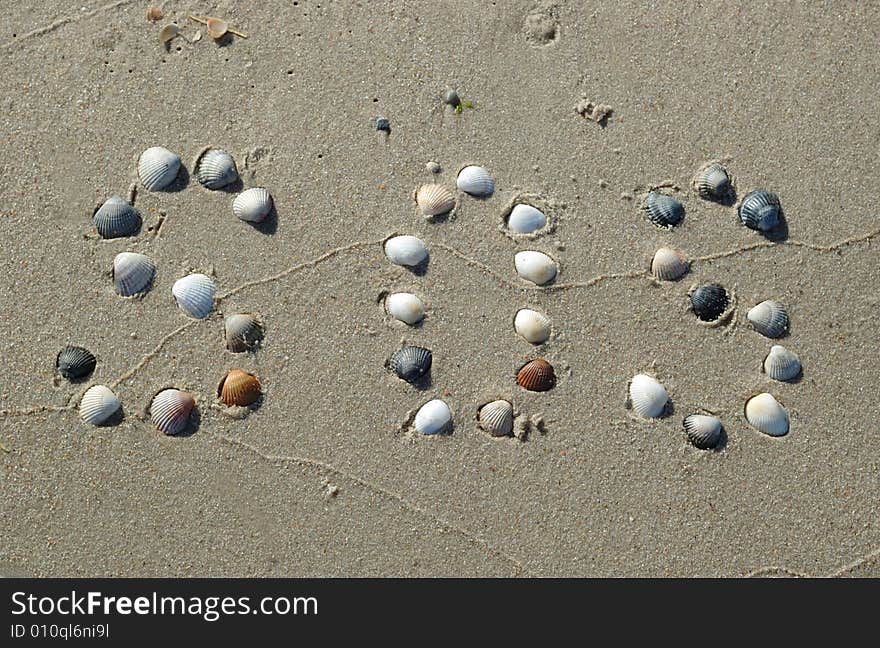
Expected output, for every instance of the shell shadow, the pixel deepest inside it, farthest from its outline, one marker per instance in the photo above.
(192, 426)
(268, 225)
(668, 410)
(419, 270)
(115, 419)
(233, 187)
(181, 181)
(729, 199)
(780, 232)
(424, 381)
(439, 219)
(722, 442)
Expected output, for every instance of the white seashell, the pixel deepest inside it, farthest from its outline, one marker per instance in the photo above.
(434, 199)
(252, 205)
(406, 251)
(476, 181)
(433, 417)
(782, 364)
(132, 273)
(195, 295)
(405, 307)
(669, 264)
(171, 409)
(703, 431)
(496, 418)
(525, 219)
(647, 396)
(536, 267)
(769, 318)
(216, 169)
(533, 326)
(765, 414)
(157, 168)
(98, 404)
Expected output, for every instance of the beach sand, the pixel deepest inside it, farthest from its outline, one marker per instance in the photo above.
(785, 95)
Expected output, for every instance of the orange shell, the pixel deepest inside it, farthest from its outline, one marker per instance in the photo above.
(536, 375)
(239, 388)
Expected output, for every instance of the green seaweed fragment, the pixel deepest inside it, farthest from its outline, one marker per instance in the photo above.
(462, 105)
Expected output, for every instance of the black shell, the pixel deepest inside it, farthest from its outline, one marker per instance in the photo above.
(75, 362)
(709, 301)
(663, 210)
(116, 218)
(759, 210)
(410, 363)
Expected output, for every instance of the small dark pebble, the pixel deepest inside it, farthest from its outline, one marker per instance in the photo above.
(383, 124)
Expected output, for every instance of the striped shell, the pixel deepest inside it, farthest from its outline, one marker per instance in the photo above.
(476, 181)
(669, 264)
(195, 295)
(769, 318)
(496, 418)
(252, 205)
(74, 362)
(410, 363)
(157, 168)
(216, 169)
(712, 182)
(525, 219)
(244, 332)
(709, 301)
(117, 218)
(765, 414)
(405, 307)
(132, 273)
(703, 431)
(647, 396)
(98, 404)
(759, 210)
(534, 266)
(239, 388)
(782, 364)
(406, 251)
(434, 417)
(663, 210)
(434, 199)
(171, 409)
(536, 375)
(532, 326)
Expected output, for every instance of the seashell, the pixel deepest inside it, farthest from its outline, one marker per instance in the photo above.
(709, 301)
(525, 219)
(252, 205)
(244, 332)
(536, 375)
(532, 326)
(669, 264)
(195, 295)
(765, 414)
(703, 431)
(536, 267)
(712, 182)
(98, 404)
(663, 210)
(476, 181)
(75, 362)
(410, 363)
(782, 364)
(647, 396)
(434, 199)
(132, 273)
(769, 318)
(216, 169)
(116, 218)
(239, 388)
(759, 210)
(383, 125)
(451, 98)
(405, 307)
(217, 28)
(433, 417)
(496, 418)
(406, 251)
(157, 168)
(171, 409)
(168, 34)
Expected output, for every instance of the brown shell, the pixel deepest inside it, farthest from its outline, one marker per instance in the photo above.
(239, 388)
(536, 375)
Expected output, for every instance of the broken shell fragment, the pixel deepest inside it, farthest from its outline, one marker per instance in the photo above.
(410, 363)
(240, 388)
(534, 266)
(759, 210)
(252, 205)
(663, 210)
(132, 273)
(782, 364)
(244, 332)
(769, 318)
(98, 404)
(703, 431)
(217, 27)
(532, 326)
(712, 182)
(215, 169)
(171, 409)
(525, 219)
(669, 264)
(709, 301)
(476, 181)
(74, 362)
(405, 307)
(406, 251)
(195, 295)
(765, 414)
(647, 396)
(168, 34)
(157, 168)
(496, 418)
(116, 218)
(434, 199)
(536, 375)
(434, 417)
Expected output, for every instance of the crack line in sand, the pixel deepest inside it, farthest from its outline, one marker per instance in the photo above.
(67, 20)
(152, 354)
(411, 506)
(837, 573)
(37, 409)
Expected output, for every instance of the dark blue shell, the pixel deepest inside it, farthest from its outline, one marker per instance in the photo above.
(759, 210)
(75, 362)
(709, 301)
(663, 210)
(410, 363)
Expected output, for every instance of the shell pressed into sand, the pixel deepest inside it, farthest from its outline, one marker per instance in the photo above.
(534, 266)
(767, 415)
(434, 417)
(171, 409)
(98, 404)
(647, 396)
(496, 418)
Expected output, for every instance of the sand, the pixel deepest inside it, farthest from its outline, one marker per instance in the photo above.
(786, 95)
